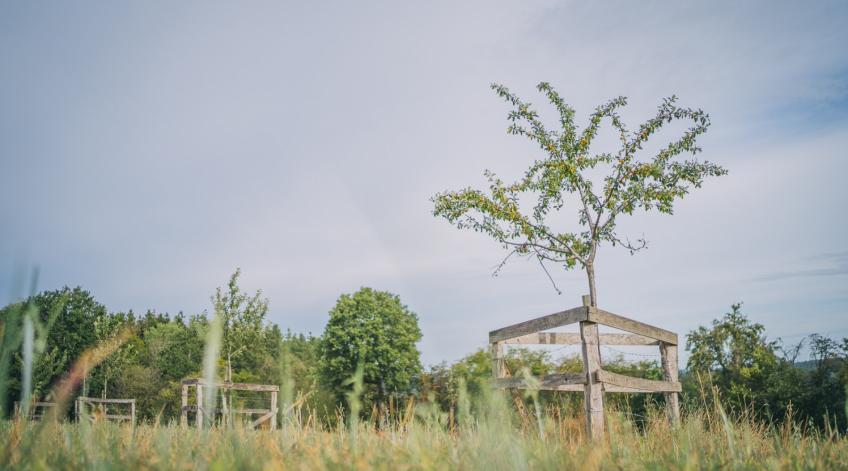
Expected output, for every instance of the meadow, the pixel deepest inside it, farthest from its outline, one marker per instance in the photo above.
(453, 419)
(497, 432)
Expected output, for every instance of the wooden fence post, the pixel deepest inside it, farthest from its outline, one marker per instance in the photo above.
(668, 354)
(132, 412)
(184, 409)
(593, 390)
(498, 362)
(274, 410)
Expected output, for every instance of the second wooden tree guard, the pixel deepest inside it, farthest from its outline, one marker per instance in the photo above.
(266, 415)
(594, 380)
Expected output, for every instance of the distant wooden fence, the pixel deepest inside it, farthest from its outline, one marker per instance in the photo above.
(594, 380)
(94, 408)
(37, 410)
(265, 415)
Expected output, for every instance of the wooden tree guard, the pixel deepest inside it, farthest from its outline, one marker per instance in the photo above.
(594, 380)
(268, 415)
(103, 405)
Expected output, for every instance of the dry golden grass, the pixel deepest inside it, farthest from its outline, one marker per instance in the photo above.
(495, 436)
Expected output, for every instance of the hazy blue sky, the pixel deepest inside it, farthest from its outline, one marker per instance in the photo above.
(149, 148)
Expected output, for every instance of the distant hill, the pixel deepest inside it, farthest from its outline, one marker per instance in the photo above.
(806, 365)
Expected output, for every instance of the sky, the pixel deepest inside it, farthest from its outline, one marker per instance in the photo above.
(147, 149)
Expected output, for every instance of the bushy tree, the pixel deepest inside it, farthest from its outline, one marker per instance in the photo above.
(630, 182)
(375, 329)
(70, 317)
(824, 397)
(755, 374)
(735, 355)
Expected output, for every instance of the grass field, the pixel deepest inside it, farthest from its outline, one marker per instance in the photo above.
(498, 436)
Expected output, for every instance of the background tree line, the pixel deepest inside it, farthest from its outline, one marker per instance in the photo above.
(732, 359)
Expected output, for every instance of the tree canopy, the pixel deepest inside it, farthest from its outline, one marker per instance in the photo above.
(375, 329)
(629, 182)
(754, 374)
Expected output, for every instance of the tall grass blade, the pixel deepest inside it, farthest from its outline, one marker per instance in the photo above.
(28, 351)
(354, 401)
(211, 353)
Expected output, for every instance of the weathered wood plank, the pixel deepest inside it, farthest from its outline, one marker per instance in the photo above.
(550, 321)
(184, 400)
(619, 322)
(498, 362)
(545, 338)
(262, 419)
(608, 388)
(572, 338)
(611, 388)
(593, 394)
(98, 400)
(552, 382)
(637, 384)
(233, 386)
(234, 411)
(116, 417)
(668, 354)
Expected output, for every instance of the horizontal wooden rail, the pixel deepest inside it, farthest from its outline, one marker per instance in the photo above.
(552, 382)
(263, 418)
(92, 417)
(233, 386)
(613, 382)
(625, 383)
(614, 320)
(233, 411)
(570, 338)
(105, 401)
(550, 321)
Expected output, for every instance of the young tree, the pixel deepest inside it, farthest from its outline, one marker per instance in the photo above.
(373, 328)
(631, 183)
(101, 379)
(244, 329)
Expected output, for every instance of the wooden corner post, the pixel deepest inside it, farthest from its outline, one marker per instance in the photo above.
(184, 408)
(668, 355)
(593, 392)
(498, 361)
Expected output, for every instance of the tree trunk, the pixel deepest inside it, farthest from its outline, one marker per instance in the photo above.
(593, 294)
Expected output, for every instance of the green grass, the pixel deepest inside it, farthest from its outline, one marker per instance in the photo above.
(497, 436)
